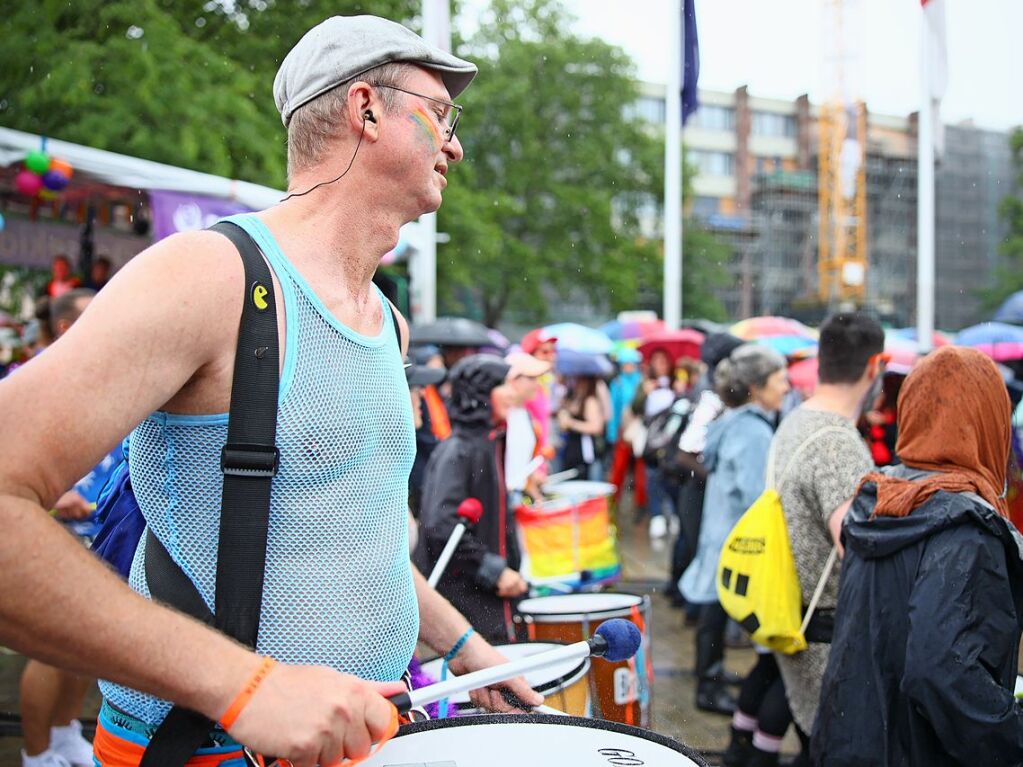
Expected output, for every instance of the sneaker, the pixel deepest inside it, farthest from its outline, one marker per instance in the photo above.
(658, 527)
(48, 758)
(68, 743)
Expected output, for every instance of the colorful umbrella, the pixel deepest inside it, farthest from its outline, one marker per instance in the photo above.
(998, 340)
(579, 338)
(572, 363)
(902, 353)
(756, 328)
(938, 339)
(677, 343)
(790, 346)
(617, 330)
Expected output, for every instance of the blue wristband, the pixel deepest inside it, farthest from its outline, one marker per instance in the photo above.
(442, 707)
(459, 645)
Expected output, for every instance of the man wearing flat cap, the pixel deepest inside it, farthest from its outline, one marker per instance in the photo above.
(371, 135)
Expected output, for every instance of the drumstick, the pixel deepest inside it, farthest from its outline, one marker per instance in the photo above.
(469, 511)
(514, 700)
(615, 640)
(554, 479)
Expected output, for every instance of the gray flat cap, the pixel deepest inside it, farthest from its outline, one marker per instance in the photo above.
(344, 47)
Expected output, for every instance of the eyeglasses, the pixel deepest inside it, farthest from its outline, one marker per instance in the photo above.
(449, 125)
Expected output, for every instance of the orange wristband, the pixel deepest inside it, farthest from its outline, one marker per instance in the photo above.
(243, 698)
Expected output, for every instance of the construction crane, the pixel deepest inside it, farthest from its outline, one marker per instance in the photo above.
(842, 255)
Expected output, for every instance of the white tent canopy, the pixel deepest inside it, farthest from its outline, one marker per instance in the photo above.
(121, 170)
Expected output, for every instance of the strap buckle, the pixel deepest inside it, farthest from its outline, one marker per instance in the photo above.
(242, 460)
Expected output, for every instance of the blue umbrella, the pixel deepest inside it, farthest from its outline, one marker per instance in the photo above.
(579, 338)
(572, 363)
(1011, 309)
(990, 333)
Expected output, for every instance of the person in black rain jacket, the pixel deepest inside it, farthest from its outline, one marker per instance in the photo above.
(482, 578)
(924, 657)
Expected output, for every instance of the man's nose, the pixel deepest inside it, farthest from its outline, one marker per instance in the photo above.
(453, 149)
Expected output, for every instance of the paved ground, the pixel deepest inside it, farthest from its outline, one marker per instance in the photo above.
(645, 569)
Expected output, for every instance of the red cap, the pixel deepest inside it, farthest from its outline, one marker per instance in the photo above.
(532, 340)
(470, 510)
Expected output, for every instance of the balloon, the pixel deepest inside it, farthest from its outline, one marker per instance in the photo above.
(47, 194)
(3, 223)
(54, 180)
(28, 183)
(62, 166)
(37, 162)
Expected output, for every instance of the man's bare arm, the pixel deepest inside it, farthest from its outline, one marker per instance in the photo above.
(835, 525)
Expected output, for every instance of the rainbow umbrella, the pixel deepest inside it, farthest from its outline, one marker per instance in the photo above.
(757, 328)
(790, 346)
(617, 330)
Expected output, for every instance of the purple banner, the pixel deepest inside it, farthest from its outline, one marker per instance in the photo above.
(183, 212)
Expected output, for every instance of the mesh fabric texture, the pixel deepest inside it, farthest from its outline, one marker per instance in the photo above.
(338, 589)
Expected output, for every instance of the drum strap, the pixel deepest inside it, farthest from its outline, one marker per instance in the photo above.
(249, 461)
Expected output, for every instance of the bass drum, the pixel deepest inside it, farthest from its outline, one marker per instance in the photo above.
(538, 740)
(563, 686)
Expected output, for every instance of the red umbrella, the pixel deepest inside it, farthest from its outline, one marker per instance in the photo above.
(803, 376)
(677, 343)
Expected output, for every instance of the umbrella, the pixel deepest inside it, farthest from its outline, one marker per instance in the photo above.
(997, 340)
(1011, 309)
(498, 340)
(803, 376)
(452, 331)
(902, 353)
(938, 339)
(756, 328)
(677, 343)
(579, 338)
(617, 330)
(573, 363)
(790, 346)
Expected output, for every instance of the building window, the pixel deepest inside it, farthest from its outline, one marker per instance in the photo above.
(647, 108)
(705, 207)
(710, 117)
(772, 124)
(713, 163)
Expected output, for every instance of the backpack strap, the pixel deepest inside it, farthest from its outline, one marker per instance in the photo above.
(249, 462)
(794, 461)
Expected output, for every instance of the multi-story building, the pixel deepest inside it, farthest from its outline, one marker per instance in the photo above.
(754, 162)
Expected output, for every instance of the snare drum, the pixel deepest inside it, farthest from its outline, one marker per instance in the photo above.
(563, 686)
(537, 740)
(620, 692)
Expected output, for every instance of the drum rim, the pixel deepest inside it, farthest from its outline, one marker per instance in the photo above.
(577, 721)
(568, 678)
(610, 612)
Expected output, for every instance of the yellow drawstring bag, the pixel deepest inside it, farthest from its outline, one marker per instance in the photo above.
(757, 582)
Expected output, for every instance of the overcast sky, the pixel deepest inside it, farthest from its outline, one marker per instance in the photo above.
(773, 46)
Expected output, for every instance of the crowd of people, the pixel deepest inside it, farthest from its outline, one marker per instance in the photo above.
(911, 655)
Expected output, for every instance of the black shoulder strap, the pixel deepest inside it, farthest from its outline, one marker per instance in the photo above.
(249, 461)
(397, 325)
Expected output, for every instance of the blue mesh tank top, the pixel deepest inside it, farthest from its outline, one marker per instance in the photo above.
(338, 590)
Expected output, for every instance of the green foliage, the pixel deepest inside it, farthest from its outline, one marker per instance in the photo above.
(1009, 274)
(176, 81)
(554, 173)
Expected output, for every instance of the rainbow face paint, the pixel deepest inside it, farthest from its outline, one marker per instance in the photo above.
(427, 125)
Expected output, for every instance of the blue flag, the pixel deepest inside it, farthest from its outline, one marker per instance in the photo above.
(690, 59)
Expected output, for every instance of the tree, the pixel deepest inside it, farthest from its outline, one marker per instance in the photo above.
(558, 177)
(555, 173)
(1009, 274)
(182, 82)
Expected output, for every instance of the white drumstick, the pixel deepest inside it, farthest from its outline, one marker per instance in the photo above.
(614, 640)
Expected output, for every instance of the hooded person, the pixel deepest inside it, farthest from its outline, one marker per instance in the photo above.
(930, 606)
(482, 578)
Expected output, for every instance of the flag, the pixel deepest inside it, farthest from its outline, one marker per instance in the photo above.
(936, 51)
(691, 59)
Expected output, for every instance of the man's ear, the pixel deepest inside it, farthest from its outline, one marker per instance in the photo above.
(364, 109)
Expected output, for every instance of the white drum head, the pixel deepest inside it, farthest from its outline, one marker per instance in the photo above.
(579, 489)
(579, 604)
(536, 740)
(542, 680)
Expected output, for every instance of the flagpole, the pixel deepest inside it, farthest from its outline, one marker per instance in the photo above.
(925, 197)
(673, 173)
(436, 31)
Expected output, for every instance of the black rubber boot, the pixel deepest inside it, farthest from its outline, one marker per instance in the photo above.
(739, 750)
(760, 758)
(712, 695)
